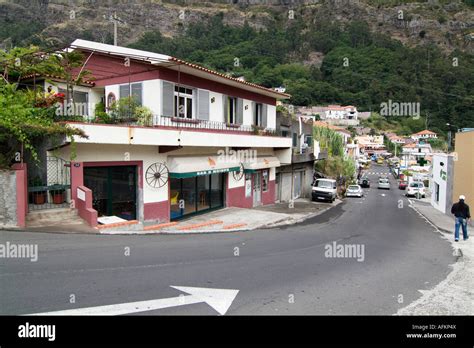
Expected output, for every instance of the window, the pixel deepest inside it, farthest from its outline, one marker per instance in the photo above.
(135, 88)
(285, 131)
(265, 180)
(183, 102)
(308, 140)
(295, 140)
(81, 102)
(111, 99)
(232, 111)
(258, 114)
(437, 191)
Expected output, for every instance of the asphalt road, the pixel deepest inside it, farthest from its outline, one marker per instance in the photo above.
(277, 271)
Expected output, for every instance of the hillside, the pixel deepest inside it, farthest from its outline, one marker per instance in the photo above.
(446, 24)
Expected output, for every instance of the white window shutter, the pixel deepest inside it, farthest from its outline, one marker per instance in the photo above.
(203, 104)
(167, 99)
(264, 116)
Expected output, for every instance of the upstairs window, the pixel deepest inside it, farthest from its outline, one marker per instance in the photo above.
(232, 110)
(258, 114)
(285, 131)
(135, 89)
(183, 102)
(80, 106)
(295, 140)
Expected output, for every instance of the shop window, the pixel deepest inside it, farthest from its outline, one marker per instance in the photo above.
(265, 181)
(195, 194)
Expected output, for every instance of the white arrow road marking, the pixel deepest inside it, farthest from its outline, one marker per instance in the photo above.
(219, 299)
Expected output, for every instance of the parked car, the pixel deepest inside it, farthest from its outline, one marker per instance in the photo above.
(324, 189)
(384, 183)
(402, 185)
(364, 181)
(354, 191)
(416, 188)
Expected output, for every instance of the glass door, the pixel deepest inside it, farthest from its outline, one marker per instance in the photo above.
(113, 190)
(257, 189)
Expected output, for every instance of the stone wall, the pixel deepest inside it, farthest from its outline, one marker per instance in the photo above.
(8, 199)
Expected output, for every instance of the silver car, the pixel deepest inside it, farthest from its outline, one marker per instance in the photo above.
(384, 183)
(354, 191)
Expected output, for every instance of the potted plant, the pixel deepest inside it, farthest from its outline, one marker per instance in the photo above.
(38, 194)
(57, 194)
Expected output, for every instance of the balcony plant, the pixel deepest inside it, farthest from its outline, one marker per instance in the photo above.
(257, 130)
(37, 197)
(57, 194)
(124, 110)
(144, 116)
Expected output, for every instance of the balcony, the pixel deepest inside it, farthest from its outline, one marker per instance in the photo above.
(306, 155)
(169, 131)
(176, 123)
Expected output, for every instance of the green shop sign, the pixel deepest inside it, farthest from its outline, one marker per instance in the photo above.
(203, 172)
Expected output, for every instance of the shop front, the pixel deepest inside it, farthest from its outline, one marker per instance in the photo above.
(197, 185)
(263, 186)
(114, 190)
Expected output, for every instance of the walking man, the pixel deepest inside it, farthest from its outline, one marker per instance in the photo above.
(462, 216)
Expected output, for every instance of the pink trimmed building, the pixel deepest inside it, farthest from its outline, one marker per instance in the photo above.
(211, 141)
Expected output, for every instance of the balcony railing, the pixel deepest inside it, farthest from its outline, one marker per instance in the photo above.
(173, 122)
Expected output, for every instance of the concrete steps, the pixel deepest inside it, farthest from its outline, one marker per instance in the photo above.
(53, 217)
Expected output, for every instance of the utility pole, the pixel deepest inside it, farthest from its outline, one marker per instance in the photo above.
(115, 29)
(113, 18)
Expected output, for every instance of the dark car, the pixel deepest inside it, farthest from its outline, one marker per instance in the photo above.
(364, 182)
(402, 185)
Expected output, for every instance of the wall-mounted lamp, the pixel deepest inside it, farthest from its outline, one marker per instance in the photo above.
(213, 99)
(246, 107)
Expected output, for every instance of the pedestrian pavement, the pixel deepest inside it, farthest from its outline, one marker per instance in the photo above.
(455, 294)
(236, 219)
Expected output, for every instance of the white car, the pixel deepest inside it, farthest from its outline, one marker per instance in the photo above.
(384, 183)
(354, 191)
(325, 189)
(416, 189)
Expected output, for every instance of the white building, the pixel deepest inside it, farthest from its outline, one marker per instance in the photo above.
(339, 112)
(424, 135)
(442, 182)
(210, 142)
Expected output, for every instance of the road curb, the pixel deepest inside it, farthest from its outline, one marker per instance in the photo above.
(441, 229)
(279, 223)
(106, 232)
